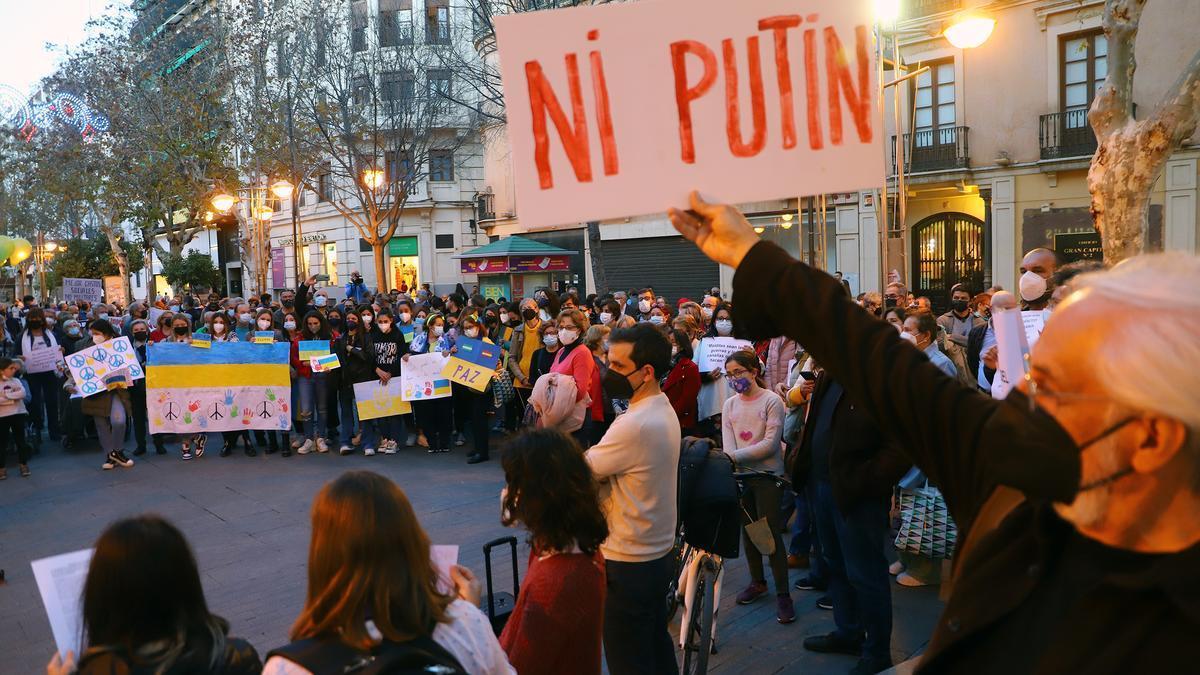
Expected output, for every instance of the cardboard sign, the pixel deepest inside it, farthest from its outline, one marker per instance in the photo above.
(324, 364)
(82, 290)
(264, 337)
(620, 109)
(114, 288)
(473, 364)
(41, 358)
(421, 377)
(714, 351)
(375, 399)
(93, 367)
(312, 348)
(201, 340)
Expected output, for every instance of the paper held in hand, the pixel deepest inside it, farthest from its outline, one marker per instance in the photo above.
(715, 350)
(60, 583)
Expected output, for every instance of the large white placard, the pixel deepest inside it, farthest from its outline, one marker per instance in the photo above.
(620, 109)
(1012, 345)
(421, 377)
(92, 367)
(40, 357)
(715, 350)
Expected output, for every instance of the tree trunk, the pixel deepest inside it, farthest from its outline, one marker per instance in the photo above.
(380, 266)
(596, 249)
(1122, 173)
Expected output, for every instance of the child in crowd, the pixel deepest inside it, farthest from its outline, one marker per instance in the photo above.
(14, 395)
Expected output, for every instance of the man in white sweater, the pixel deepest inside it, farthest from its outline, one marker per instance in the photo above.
(637, 463)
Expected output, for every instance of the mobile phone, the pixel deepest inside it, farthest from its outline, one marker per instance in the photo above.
(321, 277)
(808, 375)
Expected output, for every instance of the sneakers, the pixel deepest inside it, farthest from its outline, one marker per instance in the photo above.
(24, 468)
(895, 568)
(422, 441)
(345, 450)
(201, 441)
(753, 592)
(187, 451)
(387, 447)
(116, 458)
(807, 584)
(459, 440)
(906, 579)
(825, 602)
(411, 441)
(322, 445)
(833, 644)
(369, 452)
(785, 611)
(476, 458)
(305, 447)
(443, 449)
(796, 562)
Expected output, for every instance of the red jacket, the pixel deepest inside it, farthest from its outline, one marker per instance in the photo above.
(557, 623)
(682, 387)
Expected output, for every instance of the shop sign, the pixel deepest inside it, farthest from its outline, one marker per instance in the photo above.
(304, 239)
(497, 265)
(1079, 246)
(402, 247)
(539, 263)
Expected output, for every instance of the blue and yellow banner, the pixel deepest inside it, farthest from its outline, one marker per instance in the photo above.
(313, 348)
(230, 386)
(473, 363)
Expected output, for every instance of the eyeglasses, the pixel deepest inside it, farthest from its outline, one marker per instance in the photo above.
(737, 373)
(1036, 390)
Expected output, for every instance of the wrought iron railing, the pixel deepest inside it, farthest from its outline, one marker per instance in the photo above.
(934, 150)
(1066, 134)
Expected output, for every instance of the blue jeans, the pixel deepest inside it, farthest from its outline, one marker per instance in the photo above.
(314, 400)
(853, 547)
(349, 414)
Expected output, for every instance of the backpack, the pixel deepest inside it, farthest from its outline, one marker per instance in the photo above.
(419, 656)
(708, 498)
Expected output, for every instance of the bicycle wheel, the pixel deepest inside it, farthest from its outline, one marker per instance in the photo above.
(680, 556)
(698, 645)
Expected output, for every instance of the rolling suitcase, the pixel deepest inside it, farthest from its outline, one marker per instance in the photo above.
(500, 605)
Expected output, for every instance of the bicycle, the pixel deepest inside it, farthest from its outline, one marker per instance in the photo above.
(697, 583)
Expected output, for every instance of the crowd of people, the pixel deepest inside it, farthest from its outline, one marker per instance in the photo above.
(893, 398)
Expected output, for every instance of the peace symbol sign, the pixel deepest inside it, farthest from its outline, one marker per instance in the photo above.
(77, 361)
(99, 354)
(121, 347)
(89, 387)
(87, 373)
(116, 361)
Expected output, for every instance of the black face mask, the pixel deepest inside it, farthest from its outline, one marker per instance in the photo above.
(959, 305)
(181, 330)
(335, 323)
(139, 335)
(528, 314)
(618, 386)
(351, 325)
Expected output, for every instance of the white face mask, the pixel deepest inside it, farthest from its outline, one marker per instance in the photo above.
(366, 318)
(503, 317)
(908, 336)
(1033, 286)
(567, 336)
(605, 317)
(264, 324)
(439, 331)
(707, 312)
(724, 326)
(644, 306)
(245, 318)
(550, 340)
(405, 317)
(290, 325)
(656, 319)
(320, 301)
(472, 333)
(218, 328)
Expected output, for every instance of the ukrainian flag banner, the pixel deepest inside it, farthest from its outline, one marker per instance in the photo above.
(232, 386)
(473, 363)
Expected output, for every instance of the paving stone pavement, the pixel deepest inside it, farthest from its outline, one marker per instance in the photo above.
(247, 520)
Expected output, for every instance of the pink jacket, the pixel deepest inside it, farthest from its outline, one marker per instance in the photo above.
(554, 400)
(780, 351)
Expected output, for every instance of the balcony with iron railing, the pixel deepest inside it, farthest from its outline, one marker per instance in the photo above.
(934, 150)
(1066, 134)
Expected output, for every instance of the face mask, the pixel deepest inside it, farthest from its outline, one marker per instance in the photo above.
(351, 324)
(550, 340)
(472, 333)
(908, 336)
(644, 306)
(73, 332)
(336, 323)
(567, 336)
(503, 317)
(419, 322)
(98, 339)
(104, 315)
(264, 324)
(529, 314)
(1033, 286)
(542, 301)
(707, 312)
(180, 330)
(405, 317)
(174, 308)
(244, 318)
(321, 301)
(724, 326)
(674, 351)
(140, 336)
(605, 317)
(384, 326)
(366, 319)
(439, 331)
(740, 384)
(657, 320)
(290, 325)
(959, 305)
(218, 328)
(50, 321)
(618, 386)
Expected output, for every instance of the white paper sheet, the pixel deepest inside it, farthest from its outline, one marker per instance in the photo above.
(444, 556)
(60, 581)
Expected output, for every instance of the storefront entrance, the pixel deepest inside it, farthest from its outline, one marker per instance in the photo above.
(947, 250)
(404, 264)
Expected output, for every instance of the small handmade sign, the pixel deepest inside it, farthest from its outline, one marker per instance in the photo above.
(92, 367)
(473, 364)
(231, 386)
(421, 377)
(201, 340)
(409, 332)
(312, 348)
(324, 364)
(375, 399)
(264, 337)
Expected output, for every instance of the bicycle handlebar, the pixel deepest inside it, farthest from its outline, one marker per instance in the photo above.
(743, 473)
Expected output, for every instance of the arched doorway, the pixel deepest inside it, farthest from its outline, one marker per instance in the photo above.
(947, 249)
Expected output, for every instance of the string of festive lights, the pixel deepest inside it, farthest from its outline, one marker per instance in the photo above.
(27, 116)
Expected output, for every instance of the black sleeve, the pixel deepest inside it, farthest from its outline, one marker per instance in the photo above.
(302, 307)
(965, 442)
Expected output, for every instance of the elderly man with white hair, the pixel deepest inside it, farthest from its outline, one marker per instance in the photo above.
(1077, 498)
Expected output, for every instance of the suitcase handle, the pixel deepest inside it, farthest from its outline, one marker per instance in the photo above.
(487, 566)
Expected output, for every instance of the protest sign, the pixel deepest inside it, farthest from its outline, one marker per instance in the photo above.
(324, 364)
(421, 377)
(620, 109)
(264, 337)
(409, 332)
(40, 357)
(82, 290)
(473, 363)
(92, 367)
(114, 289)
(1034, 322)
(312, 348)
(60, 581)
(231, 386)
(1011, 347)
(375, 399)
(713, 352)
(201, 340)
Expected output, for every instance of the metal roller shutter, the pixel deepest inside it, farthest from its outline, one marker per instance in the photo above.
(672, 266)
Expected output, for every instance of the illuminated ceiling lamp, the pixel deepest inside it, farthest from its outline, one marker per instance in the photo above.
(283, 189)
(759, 229)
(969, 29)
(787, 221)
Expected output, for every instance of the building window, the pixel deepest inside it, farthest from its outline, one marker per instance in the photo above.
(441, 165)
(396, 86)
(361, 90)
(439, 84)
(358, 25)
(395, 22)
(399, 166)
(1084, 65)
(325, 184)
(443, 241)
(934, 117)
(437, 26)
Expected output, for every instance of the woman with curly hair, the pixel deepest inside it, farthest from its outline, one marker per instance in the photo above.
(557, 624)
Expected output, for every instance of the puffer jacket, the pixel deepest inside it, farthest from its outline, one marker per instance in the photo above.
(553, 399)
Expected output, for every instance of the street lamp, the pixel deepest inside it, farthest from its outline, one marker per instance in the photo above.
(969, 29)
(373, 178)
(223, 202)
(787, 221)
(282, 189)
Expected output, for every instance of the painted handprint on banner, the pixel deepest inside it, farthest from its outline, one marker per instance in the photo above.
(229, 397)
(270, 394)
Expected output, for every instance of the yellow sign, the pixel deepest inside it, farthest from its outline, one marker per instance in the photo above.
(375, 400)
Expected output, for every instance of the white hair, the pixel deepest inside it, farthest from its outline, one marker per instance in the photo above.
(1149, 360)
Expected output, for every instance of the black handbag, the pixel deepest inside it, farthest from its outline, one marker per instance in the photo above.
(708, 498)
